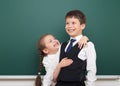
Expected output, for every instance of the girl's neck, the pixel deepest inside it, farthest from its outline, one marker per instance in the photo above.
(53, 52)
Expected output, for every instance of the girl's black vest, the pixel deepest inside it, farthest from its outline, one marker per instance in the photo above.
(77, 70)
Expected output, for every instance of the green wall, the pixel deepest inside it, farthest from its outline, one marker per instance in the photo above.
(22, 22)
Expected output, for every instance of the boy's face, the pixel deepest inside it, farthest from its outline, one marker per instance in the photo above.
(51, 45)
(73, 26)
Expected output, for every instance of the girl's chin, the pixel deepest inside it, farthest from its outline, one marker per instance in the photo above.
(57, 46)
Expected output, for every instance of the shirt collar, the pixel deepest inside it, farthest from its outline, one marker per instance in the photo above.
(77, 38)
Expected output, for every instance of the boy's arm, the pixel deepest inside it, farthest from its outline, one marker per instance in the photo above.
(91, 65)
(83, 41)
(63, 63)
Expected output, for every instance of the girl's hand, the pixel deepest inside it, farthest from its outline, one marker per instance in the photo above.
(65, 62)
(83, 42)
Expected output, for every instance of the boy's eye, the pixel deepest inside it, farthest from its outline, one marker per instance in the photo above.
(73, 22)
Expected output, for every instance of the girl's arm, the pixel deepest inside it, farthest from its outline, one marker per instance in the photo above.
(83, 41)
(63, 63)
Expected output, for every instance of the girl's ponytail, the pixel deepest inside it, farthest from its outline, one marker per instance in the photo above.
(38, 81)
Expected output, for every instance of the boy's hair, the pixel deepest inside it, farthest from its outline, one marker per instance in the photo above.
(41, 46)
(77, 14)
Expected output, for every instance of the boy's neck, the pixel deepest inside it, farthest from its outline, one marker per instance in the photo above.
(75, 36)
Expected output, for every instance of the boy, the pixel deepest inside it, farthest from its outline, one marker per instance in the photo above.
(84, 60)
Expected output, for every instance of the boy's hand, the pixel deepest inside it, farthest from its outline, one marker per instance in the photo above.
(83, 42)
(65, 62)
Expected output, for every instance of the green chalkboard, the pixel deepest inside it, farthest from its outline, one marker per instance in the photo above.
(22, 22)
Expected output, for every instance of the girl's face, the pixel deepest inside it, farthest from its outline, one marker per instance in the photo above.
(51, 45)
(73, 26)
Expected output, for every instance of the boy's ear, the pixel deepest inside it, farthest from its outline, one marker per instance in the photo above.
(45, 51)
(83, 26)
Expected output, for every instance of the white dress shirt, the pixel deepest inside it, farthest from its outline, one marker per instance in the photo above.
(88, 53)
(50, 62)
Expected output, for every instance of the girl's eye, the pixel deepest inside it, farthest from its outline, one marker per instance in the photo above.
(50, 40)
(55, 39)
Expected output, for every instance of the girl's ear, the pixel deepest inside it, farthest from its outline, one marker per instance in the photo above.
(45, 51)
